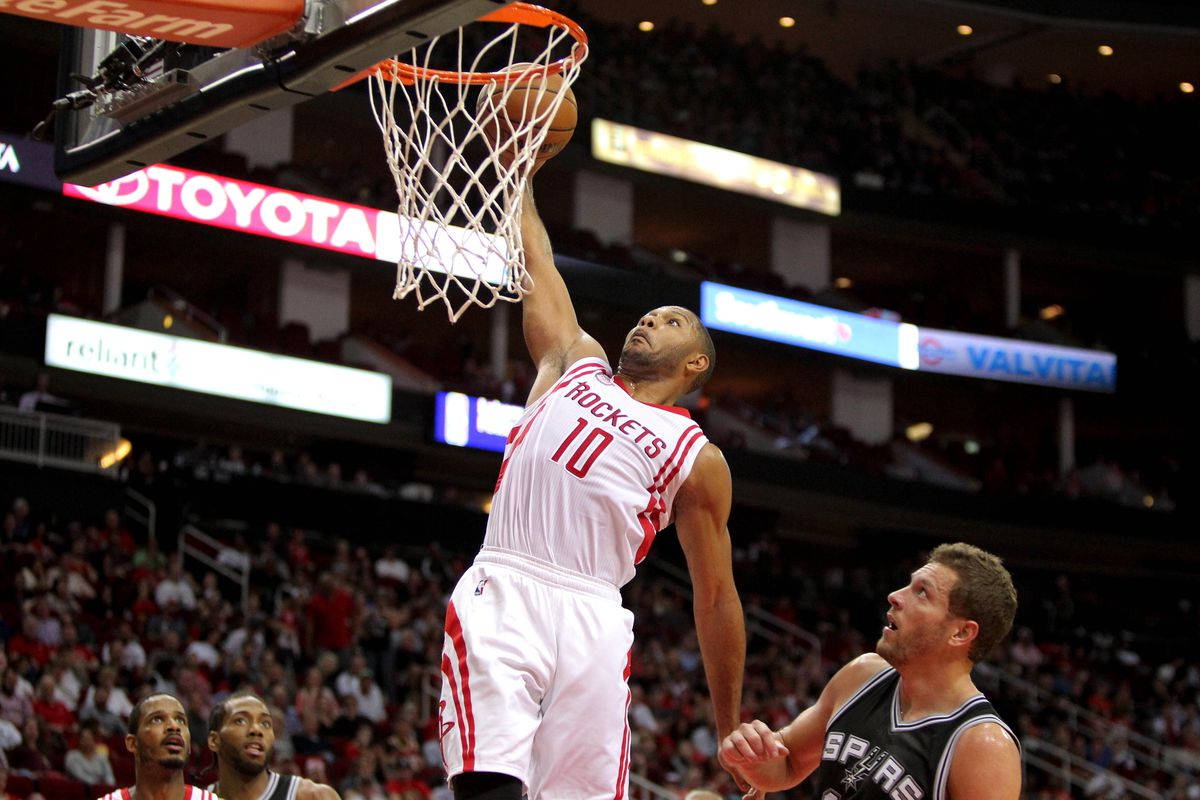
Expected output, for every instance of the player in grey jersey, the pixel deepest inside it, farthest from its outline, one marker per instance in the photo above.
(905, 722)
(241, 733)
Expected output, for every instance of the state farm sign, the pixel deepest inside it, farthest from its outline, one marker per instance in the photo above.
(279, 214)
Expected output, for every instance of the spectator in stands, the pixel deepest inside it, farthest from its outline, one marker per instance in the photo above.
(15, 705)
(369, 697)
(31, 756)
(331, 617)
(87, 762)
(176, 586)
(390, 567)
(347, 680)
(39, 398)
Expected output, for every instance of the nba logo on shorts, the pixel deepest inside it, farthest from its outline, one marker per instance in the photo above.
(479, 587)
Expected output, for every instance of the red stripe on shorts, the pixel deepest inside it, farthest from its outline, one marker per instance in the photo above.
(448, 672)
(623, 770)
(454, 628)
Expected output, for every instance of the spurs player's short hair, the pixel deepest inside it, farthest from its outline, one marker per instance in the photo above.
(984, 593)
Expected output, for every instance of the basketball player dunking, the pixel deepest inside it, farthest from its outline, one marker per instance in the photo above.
(241, 733)
(537, 649)
(905, 722)
(159, 739)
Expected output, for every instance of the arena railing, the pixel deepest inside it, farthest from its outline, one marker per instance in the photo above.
(758, 621)
(54, 440)
(1145, 751)
(1064, 765)
(142, 510)
(196, 544)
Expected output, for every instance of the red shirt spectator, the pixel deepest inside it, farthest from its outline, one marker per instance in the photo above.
(331, 616)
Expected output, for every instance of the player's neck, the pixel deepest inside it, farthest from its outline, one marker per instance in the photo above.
(656, 391)
(933, 688)
(233, 785)
(158, 784)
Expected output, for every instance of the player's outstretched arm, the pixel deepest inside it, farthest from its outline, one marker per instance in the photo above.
(552, 332)
(772, 761)
(986, 766)
(701, 516)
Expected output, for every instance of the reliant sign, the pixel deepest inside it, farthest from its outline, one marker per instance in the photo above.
(780, 319)
(293, 217)
(217, 369)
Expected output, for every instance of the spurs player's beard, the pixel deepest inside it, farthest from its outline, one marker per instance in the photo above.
(239, 762)
(900, 651)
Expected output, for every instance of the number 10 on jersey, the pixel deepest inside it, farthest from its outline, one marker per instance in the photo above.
(585, 452)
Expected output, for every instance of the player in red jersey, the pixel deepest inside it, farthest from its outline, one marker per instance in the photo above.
(160, 742)
(537, 649)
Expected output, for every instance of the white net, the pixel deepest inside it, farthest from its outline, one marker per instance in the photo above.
(461, 154)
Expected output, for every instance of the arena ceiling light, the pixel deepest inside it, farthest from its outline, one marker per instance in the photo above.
(1186, 87)
(709, 2)
(1054, 78)
(1105, 50)
(965, 30)
(1053, 311)
(919, 432)
(787, 22)
(645, 26)
(843, 283)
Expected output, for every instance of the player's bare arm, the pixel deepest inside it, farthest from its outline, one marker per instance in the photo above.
(986, 765)
(701, 518)
(307, 790)
(552, 332)
(773, 761)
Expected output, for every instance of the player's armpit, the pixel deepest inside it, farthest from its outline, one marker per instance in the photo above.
(552, 333)
(986, 765)
(701, 514)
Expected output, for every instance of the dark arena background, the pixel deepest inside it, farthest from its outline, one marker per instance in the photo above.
(971, 314)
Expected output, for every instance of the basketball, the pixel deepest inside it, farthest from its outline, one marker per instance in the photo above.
(532, 100)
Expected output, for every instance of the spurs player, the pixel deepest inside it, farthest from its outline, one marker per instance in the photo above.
(537, 647)
(241, 735)
(160, 742)
(905, 722)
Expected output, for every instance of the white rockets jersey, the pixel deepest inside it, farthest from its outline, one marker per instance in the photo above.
(590, 475)
(189, 793)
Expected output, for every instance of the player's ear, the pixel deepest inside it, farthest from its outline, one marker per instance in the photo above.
(214, 741)
(696, 364)
(131, 743)
(965, 634)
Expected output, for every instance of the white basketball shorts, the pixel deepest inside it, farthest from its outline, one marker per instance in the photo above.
(535, 670)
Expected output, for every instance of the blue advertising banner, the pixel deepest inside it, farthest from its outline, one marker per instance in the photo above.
(1015, 360)
(779, 319)
(466, 421)
(27, 162)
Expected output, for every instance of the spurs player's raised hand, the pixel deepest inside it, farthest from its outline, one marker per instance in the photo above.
(752, 743)
(751, 746)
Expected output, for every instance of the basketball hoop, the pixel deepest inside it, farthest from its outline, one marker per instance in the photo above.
(460, 161)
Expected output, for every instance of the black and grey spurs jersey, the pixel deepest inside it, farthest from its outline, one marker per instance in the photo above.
(870, 754)
(279, 787)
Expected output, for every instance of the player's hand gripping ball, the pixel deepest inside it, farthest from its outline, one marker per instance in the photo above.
(508, 113)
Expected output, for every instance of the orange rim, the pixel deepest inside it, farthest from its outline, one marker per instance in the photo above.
(515, 13)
